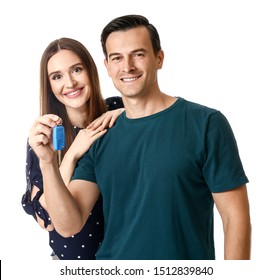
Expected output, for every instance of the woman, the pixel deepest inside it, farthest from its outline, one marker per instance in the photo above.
(69, 89)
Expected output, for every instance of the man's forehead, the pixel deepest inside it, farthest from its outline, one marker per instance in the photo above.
(128, 40)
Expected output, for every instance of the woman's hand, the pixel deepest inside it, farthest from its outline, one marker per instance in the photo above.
(83, 141)
(107, 119)
(40, 136)
(80, 145)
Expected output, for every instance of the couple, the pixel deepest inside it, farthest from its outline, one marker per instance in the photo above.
(157, 172)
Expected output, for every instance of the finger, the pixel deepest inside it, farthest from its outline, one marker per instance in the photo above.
(96, 123)
(42, 129)
(91, 131)
(113, 120)
(98, 134)
(50, 120)
(105, 123)
(39, 140)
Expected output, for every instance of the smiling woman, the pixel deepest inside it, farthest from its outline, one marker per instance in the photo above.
(69, 93)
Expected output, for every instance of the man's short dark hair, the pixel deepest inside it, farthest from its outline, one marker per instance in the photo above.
(124, 23)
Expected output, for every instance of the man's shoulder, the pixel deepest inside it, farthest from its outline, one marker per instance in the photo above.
(195, 108)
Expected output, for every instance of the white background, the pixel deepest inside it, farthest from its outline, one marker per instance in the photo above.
(217, 53)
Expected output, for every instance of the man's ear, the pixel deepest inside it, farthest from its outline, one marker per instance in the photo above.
(106, 64)
(160, 58)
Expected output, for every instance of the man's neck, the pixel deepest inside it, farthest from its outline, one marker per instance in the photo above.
(139, 107)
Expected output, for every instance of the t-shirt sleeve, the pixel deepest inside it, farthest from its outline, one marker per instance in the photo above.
(85, 167)
(222, 168)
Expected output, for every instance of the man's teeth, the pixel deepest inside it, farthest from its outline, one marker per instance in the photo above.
(130, 79)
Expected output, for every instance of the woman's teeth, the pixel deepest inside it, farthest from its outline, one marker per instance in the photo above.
(73, 93)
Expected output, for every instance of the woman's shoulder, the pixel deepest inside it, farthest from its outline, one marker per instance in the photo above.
(114, 102)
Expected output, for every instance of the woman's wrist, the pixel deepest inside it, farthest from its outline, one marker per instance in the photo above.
(70, 156)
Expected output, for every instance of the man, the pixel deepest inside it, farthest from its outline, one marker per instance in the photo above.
(160, 169)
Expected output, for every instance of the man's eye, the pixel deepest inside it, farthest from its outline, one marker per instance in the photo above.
(139, 54)
(115, 58)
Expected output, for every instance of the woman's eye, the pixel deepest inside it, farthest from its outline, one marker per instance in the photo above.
(77, 70)
(56, 77)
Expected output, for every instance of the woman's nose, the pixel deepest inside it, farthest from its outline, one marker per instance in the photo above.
(70, 82)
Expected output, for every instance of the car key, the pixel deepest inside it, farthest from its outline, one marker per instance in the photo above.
(58, 140)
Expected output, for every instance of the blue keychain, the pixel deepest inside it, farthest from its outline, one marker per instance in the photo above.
(59, 140)
(58, 137)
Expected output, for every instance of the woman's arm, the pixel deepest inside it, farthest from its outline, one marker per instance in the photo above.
(39, 220)
(34, 189)
(80, 145)
(68, 206)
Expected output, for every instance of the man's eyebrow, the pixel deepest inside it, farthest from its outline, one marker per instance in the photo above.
(134, 51)
(139, 50)
(113, 54)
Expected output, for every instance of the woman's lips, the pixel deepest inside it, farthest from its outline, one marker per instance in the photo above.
(73, 94)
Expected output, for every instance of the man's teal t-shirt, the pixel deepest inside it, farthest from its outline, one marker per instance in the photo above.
(156, 175)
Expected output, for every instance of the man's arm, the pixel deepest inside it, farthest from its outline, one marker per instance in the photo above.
(233, 207)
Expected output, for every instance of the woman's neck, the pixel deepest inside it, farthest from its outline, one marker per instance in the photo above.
(78, 117)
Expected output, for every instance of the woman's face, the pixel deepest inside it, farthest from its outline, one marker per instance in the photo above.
(69, 80)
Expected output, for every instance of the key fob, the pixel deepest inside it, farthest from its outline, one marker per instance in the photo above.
(58, 137)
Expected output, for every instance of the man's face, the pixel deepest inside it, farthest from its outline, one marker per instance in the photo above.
(131, 62)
